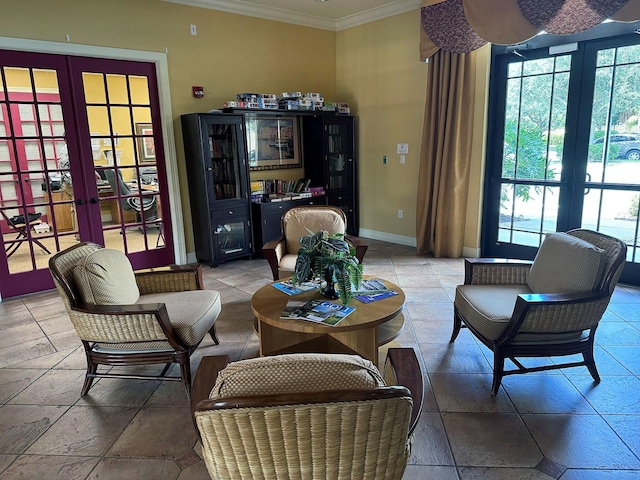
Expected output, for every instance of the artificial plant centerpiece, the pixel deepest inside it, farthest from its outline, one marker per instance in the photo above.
(330, 258)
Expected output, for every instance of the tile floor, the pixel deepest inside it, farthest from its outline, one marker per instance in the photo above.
(551, 425)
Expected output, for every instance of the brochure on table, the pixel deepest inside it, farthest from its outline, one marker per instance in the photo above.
(289, 288)
(372, 290)
(328, 313)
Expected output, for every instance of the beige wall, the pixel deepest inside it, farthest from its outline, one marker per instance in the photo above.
(373, 67)
(380, 76)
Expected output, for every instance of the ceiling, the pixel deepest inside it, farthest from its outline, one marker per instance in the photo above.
(329, 15)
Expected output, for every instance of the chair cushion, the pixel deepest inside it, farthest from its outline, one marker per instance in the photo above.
(191, 313)
(105, 277)
(488, 308)
(566, 264)
(298, 222)
(287, 264)
(300, 372)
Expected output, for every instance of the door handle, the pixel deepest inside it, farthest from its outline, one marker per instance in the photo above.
(586, 192)
(80, 201)
(93, 200)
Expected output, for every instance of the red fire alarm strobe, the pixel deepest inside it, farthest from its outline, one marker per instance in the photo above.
(198, 92)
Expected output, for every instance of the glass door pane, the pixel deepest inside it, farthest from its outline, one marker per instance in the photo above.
(37, 209)
(222, 143)
(612, 189)
(337, 151)
(123, 151)
(534, 124)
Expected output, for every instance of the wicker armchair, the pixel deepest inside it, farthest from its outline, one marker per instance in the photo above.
(282, 252)
(307, 416)
(545, 308)
(165, 325)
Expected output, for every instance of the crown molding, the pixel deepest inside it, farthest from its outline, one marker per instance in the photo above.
(379, 13)
(286, 16)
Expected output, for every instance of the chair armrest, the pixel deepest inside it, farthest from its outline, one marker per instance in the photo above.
(359, 244)
(175, 278)
(124, 323)
(273, 251)
(555, 313)
(402, 364)
(205, 379)
(496, 271)
(302, 398)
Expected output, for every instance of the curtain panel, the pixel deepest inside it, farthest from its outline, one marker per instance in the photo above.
(445, 154)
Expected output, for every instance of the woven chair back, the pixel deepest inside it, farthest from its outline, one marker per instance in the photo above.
(365, 439)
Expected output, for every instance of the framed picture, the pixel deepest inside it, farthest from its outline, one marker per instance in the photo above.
(146, 145)
(273, 142)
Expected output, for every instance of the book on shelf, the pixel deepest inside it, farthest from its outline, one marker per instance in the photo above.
(372, 290)
(289, 288)
(327, 313)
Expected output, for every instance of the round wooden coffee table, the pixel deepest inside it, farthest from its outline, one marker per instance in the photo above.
(361, 332)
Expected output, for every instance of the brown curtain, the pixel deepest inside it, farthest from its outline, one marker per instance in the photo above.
(445, 155)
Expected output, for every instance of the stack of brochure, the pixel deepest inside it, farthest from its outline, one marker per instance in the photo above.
(372, 290)
(328, 313)
(289, 288)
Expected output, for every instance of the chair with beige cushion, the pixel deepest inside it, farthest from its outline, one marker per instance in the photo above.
(545, 308)
(282, 253)
(125, 318)
(307, 416)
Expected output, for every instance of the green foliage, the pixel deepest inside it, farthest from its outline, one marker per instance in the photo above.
(528, 160)
(635, 205)
(328, 257)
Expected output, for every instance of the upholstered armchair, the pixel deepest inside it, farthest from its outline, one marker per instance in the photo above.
(125, 318)
(307, 416)
(546, 308)
(281, 253)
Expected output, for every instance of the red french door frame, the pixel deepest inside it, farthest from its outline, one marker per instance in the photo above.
(79, 147)
(78, 66)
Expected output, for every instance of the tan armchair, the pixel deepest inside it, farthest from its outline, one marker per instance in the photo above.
(545, 308)
(125, 318)
(307, 416)
(281, 253)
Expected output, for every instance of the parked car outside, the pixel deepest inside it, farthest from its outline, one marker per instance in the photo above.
(626, 144)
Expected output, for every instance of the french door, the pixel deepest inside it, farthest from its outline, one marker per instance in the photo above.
(564, 148)
(81, 159)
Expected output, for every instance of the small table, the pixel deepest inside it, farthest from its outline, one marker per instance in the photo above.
(362, 332)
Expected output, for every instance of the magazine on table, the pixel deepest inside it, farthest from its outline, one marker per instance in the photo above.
(372, 290)
(289, 288)
(328, 313)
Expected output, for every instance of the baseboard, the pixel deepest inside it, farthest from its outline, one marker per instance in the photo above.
(469, 252)
(388, 237)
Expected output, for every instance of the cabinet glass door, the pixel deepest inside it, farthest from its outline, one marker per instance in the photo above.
(232, 239)
(338, 155)
(225, 167)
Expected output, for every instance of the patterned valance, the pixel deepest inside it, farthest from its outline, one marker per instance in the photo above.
(460, 26)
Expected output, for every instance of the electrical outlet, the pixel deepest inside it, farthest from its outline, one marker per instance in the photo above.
(402, 159)
(384, 159)
(399, 213)
(193, 30)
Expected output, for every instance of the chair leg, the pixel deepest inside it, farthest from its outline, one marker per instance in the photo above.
(498, 372)
(92, 368)
(185, 374)
(590, 362)
(214, 335)
(457, 325)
